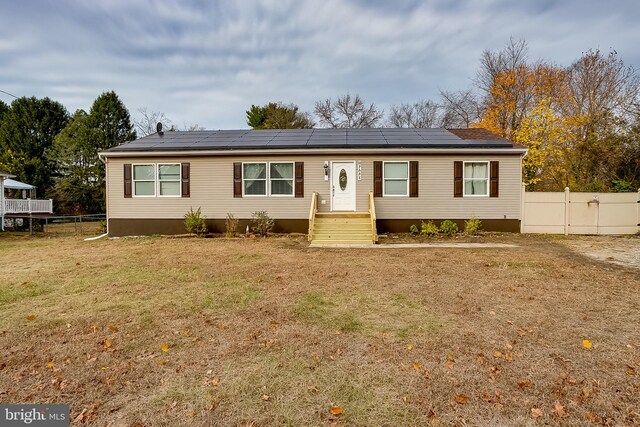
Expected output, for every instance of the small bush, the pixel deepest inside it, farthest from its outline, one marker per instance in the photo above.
(413, 229)
(194, 222)
(231, 225)
(448, 227)
(428, 229)
(261, 222)
(471, 226)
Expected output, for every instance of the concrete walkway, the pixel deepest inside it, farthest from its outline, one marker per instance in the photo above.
(417, 245)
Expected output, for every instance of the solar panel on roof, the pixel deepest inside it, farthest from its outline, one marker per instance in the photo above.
(306, 138)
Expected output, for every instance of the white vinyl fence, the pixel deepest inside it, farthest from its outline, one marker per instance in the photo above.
(580, 213)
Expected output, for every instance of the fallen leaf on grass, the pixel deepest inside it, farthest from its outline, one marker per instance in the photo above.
(416, 366)
(336, 410)
(114, 328)
(164, 347)
(461, 399)
(524, 384)
(450, 365)
(432, 418)
(80, 416)
(162, 362)
(590, 416)
(559, 410)
(631, 370)
(215, 381)
(49, 364)
(587, 344)
(30, 317)
(94, 327)
(497, 353)
(536, 412)
(265, 397)
(409, 346)
(107, 343)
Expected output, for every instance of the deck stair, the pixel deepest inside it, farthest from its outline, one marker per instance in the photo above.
(342, 228)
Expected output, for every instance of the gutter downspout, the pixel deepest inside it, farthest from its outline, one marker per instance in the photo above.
(106, 196)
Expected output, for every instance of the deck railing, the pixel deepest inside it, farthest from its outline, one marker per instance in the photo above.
(29, 206)
(372, 213)
(312, 213)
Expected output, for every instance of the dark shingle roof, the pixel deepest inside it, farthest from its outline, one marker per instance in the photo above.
(314, 139)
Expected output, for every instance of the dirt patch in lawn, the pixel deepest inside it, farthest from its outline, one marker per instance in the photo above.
(268, 332)
(619, 250)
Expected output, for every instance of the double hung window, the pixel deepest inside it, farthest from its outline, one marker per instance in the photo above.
(396, 178)
(153, 179)
(268, 179)
(476, 178)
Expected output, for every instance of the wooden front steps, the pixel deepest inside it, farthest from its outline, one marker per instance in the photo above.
(338, 228)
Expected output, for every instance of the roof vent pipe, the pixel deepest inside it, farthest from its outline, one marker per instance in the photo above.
(159, 129)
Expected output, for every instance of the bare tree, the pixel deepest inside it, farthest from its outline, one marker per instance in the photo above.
(460, 109)
(600, 87)
(191, 127)
(422, 114)
(494, 62)
(347, 112)
(146, 123)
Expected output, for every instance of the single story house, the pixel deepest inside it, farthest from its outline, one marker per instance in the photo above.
(303, 177)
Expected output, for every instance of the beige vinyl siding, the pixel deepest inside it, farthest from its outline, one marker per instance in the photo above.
(435, 184)
(212, 189)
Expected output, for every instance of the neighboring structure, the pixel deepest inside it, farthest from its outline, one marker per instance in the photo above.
(11, 207)
(389, 178)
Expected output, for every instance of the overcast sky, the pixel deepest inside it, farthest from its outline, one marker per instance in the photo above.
(206, 62)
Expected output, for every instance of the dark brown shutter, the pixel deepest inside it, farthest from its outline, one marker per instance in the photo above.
(413, 179)
(127, 180)
(494, 179)
(186, 174)
(299, 184)
(457, 179)
(377, 179)
(237, 179)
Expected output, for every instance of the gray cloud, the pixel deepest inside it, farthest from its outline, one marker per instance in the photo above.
(207, 62)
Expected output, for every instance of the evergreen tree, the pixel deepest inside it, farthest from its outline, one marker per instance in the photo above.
(27, 130)
(278, 116)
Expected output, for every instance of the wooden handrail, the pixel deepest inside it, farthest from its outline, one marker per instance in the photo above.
(372, 213)
(312, 213)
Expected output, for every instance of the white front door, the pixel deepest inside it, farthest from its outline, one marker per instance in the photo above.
(343, 186)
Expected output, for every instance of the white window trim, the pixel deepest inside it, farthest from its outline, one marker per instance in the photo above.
(384, 193)
(179, 180)
(134, 180)
(464, 179)
(267, 180)
(293, 179)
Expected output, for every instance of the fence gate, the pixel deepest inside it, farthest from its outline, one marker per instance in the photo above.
(580, 213)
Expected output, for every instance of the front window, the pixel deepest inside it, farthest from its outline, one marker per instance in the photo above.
(281, 178)
(396, 178)
(254, 179)
(169, 179)
(476, 178)
(144, 180)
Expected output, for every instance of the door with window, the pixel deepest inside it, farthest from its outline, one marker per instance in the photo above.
(343, 186)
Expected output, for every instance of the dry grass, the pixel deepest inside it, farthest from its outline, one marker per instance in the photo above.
(395, 337)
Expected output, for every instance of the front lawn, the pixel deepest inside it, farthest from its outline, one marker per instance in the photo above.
(270, 332)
